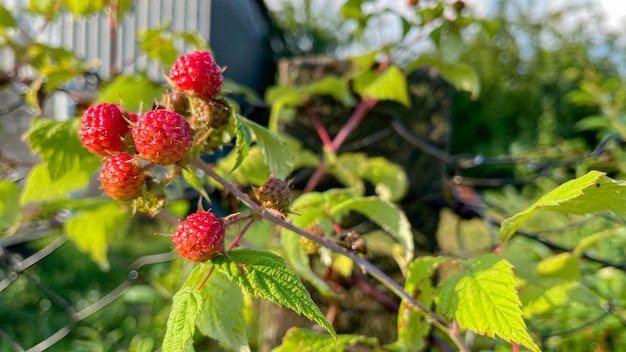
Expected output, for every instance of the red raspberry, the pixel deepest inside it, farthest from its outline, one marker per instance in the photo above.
(200, 237)
(121, 177)
(103, 128)
(163, 137)
(197, 74)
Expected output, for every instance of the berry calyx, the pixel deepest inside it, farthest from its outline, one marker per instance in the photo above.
(200, 237)
(162, 137)
(197, 74)
(122, 177)
(103, 129)
(275, 194)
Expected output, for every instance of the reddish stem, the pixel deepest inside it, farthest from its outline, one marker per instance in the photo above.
(366, 105)
(240, 234)
(205, 278)
(319, 127)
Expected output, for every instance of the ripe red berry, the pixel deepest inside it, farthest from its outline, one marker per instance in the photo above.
(200, 237)
(121, 177)
(103, 128)
(197, 74)
(162, 136)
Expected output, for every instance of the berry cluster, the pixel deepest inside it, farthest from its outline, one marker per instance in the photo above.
(133, 143)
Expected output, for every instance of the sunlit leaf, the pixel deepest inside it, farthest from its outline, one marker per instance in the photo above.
(461, 76)
(10, 209)
(181, 323)
(591, 193)
(40, 187)
(304, 340)
(277, 156)
(563, 265)
(265, 275)
(484, 299)
(134, 92)
(221, 315)
(389, 85)
(91, 230)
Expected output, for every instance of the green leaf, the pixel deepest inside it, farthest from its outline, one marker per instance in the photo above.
(91, 230)
(563, 265)
(591, 123)
(222, 314)
(60, 148)
(390, 85)
(386, 214)
(543, 300)
(389, 179)
(81, 7)
(194, 39)
(281, 97)
(265, 275)
(189, 174)
(591, 193)
(244, 140)
(158, 43)
(332, 86)
(277, 156)
(40, 187)
(6, 18)
(591, 241)
(10, 209)
(134, 92)
(181, 323)
(304, 340)
(414, 327)
(351, 9)
(461, 76)
(486, 301)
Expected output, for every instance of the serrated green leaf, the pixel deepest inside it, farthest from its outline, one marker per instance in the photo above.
(243, 142)
(189, 174)
(181, 323)
(413, 327)
(6, 18)
(60, 148)
(41, 188)
(486, 301)
(265, 275)
(10, 208)
(134, 92)
(221, 316)
(386, 214)
(304, 340)
(563, 265)
(390, 85)
(591, 241)
(591, 193)
(91, 230)
(277, 156)
(461, 76)
(332, 86)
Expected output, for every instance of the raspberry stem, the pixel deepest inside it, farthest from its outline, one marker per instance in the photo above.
(368, 267)
(237, 238)
(205, 278)
(317, 122)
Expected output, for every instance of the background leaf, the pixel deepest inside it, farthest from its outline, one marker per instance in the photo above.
(134, 92)
(386, 214)
(389, 85)
(265, 275)
(40, 187)
(277, 156)
(91, 230)
(181, 323)
(59, 146)
(10, 209)
(304, 340)
(243, 141)
(591, 193)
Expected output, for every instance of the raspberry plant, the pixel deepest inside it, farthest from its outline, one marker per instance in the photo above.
(149, 158)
